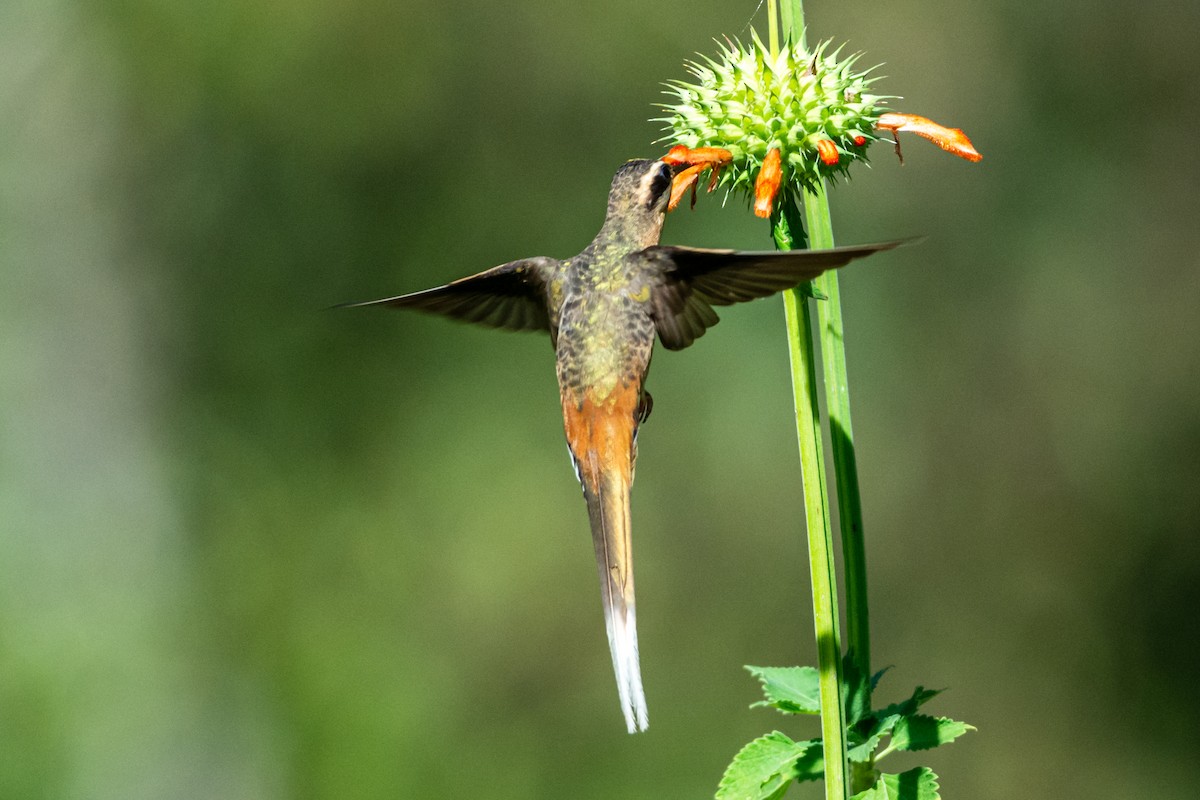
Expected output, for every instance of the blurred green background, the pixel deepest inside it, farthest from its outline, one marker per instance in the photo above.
(250, 548)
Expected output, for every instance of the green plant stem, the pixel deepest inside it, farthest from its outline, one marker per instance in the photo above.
(845, 465)
(792, 19)
(816, 497)
(773, 25)
(816, 510)
(837, 401)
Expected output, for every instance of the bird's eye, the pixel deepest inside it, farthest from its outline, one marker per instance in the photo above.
(661, 184)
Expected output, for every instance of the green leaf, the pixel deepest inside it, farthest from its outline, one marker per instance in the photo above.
(918, 783)
(921, 732)
(809, 289)
(763, 769)
(786, 227)
(792, 690)
(863, 748)
(811, 765)
(866, 738)
(907, 708)
(886, 724)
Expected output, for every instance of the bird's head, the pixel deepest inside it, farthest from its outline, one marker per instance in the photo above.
(642, 185)
(637, 201)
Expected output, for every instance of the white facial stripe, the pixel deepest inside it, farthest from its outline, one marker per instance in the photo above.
(646, 193)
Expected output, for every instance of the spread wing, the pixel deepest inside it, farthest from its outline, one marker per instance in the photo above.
(512, 296)
(694, 280)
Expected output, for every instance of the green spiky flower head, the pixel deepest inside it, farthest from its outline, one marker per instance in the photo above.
(811, 106)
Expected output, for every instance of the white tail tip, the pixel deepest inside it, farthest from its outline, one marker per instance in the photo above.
(622, 641)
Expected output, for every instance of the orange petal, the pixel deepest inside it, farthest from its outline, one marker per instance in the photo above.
(711, 155)
(828, 151)
(766, 186)
(681, 156)
(715, 174)
(952, 140)
(696, 160)
(682, 182)
(677, 156)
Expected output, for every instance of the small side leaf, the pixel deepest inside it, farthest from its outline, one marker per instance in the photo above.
(918, 783)
(864, 749)
(763, 769)
(886, 724)
(809, 289)
(792, 690)
(907, 708)
(921, 732)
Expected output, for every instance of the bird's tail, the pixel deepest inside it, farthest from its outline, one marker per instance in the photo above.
(608, 507)
(603, 446)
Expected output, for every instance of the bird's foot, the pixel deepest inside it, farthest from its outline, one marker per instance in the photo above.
(645, 406)
(694, 161)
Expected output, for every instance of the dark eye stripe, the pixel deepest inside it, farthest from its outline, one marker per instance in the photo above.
(660, 185)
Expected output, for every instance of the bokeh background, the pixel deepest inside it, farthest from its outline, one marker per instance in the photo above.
(253, 548)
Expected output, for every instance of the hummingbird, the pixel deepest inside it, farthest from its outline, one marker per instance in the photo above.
(603, 309)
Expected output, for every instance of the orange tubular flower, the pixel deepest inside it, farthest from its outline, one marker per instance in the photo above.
(698, 160)
(682, 182)
(715, 157)
(828, 150)
(952, 140)
(677, 156)
(766, 186)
